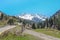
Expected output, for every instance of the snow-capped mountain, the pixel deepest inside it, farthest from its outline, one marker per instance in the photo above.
(33, 17)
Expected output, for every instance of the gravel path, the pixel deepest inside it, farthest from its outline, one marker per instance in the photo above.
(40, 35)
(2, 29)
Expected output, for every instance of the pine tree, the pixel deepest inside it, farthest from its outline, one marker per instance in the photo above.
(33, 26)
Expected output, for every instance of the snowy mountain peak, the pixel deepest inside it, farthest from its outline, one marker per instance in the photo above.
(27, 16)
(33, 17)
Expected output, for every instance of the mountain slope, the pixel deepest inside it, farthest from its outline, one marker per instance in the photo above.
(56, 20)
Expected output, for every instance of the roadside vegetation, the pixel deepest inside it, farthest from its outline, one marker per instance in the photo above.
(14, 34)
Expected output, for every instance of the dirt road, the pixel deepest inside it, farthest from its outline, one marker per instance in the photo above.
(40, 35)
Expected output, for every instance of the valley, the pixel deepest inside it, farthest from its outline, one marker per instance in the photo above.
(30, 27)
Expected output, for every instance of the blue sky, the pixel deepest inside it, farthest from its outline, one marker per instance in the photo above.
(43, 7)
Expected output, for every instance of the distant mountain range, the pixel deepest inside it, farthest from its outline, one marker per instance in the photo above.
(33, 17)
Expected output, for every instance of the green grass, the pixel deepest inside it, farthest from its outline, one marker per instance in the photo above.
(14, 37)
(51, 32)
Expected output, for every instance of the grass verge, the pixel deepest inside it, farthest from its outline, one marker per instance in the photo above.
(14, 37)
